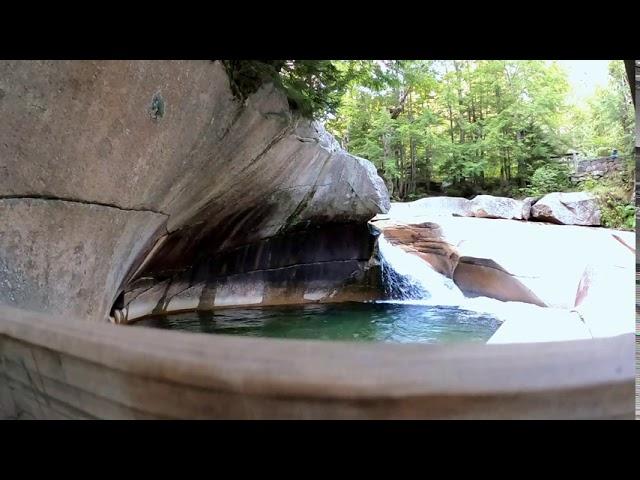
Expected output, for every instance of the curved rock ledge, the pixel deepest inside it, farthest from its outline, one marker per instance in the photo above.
(327, 263)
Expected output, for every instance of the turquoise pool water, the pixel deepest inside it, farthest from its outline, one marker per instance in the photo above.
(359, 322)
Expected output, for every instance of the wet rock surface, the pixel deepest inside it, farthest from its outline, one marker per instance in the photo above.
(425, 241)
(474, 276)
(538, 263)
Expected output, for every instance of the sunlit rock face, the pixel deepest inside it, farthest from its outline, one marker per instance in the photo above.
(488, 206)
(567, 267)
(574, 208)
(111, 171)
(432, 206)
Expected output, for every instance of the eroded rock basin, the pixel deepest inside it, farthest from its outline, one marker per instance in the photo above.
(128, 195)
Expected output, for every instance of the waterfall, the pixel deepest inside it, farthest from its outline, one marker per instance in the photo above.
(408, 277)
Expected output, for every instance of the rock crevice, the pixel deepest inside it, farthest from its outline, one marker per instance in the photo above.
(50, 198)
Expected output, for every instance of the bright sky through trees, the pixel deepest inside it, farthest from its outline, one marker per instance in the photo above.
(584, 76)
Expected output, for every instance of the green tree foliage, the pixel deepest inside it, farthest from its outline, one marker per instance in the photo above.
(608, 121)
(478, 126)
(551, 177)
(485, 123)
(313, 87)
(615, 199)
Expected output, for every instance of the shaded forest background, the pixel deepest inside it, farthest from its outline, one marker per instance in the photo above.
(464, 127)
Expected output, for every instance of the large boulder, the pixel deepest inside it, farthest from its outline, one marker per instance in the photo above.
(482, 206)
(157, 165)
(488, 206)
(576, 208)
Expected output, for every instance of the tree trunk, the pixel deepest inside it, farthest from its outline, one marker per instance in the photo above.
(402, 186)
(451, 123)
(427, 170)
(412, 149)
(459, 90)
(413, 166)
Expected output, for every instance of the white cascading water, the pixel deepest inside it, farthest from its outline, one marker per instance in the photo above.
(408, 277)
(410, 280)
